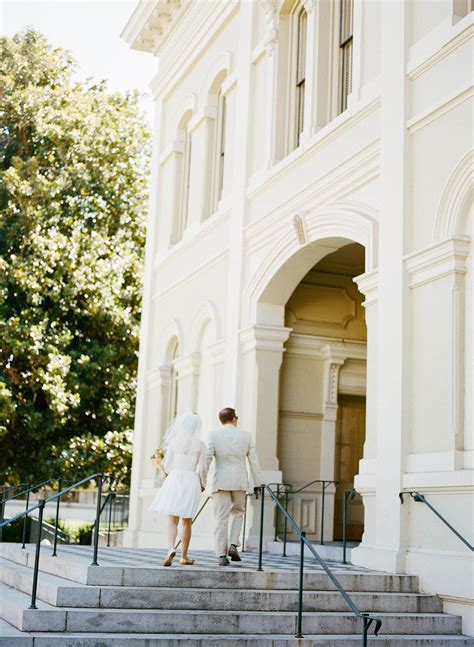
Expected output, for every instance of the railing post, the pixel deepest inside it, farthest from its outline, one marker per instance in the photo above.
(25, 519)
(37, 555)
(275, 536)
(96, 526)
(322, 513)
(55, 544)
(299, 621)
(245, 525)
(365, 627)
(285, 528)
(112, 496)
(262, 515)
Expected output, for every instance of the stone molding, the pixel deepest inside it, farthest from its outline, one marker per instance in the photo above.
(457, 193)
(368, 284)
(268, 338)
(188, 365)
(437, 45)
(437, 261)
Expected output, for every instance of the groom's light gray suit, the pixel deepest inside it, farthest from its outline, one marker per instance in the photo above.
(231, 449)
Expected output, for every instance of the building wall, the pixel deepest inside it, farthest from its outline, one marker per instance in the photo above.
(392, 172)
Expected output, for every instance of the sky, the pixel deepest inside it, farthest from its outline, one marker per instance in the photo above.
(91, 31)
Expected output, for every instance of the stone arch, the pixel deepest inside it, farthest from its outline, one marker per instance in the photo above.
(219, 69)
(204, 315)
(187, 107)
(170, 335)
(453, 206)
(305, 240)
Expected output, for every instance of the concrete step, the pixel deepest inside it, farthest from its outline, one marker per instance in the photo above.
(52, 589)
(228, 640)
(251, 599)
(64, 593)
(236, 577)
(138, 621)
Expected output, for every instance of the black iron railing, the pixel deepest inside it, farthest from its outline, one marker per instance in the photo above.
(366, 619)
(285, 490)
(40, 507)
(420, 498)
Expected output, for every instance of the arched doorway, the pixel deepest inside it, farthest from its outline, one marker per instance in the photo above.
(322, 399)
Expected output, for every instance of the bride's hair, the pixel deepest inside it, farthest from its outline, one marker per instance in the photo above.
(183, 435)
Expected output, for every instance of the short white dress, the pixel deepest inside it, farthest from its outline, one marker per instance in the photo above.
(180, 493)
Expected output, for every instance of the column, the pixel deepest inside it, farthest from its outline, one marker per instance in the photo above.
(146, 332)
(238, 199)
(262, 350)
(393, 356)
(437, 278)
(364, 482)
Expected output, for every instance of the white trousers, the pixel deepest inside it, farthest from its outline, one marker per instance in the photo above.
(228, 504)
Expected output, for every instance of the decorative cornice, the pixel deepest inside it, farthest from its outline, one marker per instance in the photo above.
(441, 259)
(150, 23)
(269, 338)
(217, 351)
(158, 377)
(368, 284)
(318, 347)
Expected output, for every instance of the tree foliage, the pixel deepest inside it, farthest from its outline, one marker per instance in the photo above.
(73, 191)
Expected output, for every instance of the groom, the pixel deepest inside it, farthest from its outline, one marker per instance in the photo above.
(230, 448)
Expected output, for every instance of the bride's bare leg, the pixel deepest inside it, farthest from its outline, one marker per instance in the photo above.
(186, 537)
(172, 531)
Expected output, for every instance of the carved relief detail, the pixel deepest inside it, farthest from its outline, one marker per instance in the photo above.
(299, 226)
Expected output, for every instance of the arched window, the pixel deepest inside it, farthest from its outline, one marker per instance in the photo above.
(173, 390)
(219, 151)
(345, 51)
(183, 178)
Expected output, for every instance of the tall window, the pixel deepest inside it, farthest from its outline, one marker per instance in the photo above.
(345, 47)
(219, 152)
(185, 178)
(301, 29)
(173, 391)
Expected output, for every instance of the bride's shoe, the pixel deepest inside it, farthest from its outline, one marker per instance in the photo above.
(186, 561)
(169, 557)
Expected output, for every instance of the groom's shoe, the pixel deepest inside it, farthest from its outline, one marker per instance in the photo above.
(223, 561)
(233, 553)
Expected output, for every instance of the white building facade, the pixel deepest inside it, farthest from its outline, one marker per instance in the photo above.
(309, 261)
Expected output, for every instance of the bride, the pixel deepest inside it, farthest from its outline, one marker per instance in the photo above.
(186, 465)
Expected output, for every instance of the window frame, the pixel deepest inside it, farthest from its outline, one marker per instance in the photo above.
(345, 44)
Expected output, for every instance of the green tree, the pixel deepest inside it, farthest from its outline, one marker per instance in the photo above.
(74, 164)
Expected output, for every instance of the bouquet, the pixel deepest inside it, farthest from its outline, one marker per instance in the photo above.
(157, 459)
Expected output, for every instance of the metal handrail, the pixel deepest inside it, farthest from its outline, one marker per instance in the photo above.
(40, 507)
(36, 486)
(287, 491)
(420, 498)
(366, 618)
(11, 487)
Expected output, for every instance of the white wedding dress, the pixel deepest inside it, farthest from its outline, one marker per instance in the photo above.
(181, 490)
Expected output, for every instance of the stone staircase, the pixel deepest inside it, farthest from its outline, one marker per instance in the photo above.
(130, 600)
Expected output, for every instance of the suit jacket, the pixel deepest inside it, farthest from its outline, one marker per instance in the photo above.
(232, 448)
